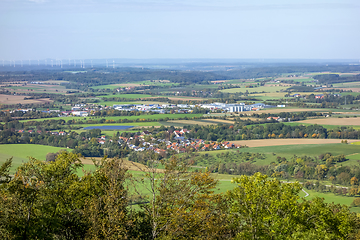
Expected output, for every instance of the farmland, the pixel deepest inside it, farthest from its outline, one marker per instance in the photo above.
(334, 121)
(185, 91)
(22, 152)
(281, 142)
(130, 118)
(16, 99)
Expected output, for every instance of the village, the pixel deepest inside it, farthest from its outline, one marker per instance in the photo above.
(178, 143)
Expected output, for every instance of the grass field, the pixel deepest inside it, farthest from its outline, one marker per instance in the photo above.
(137, 84)
(267, 89)
(22, 152)
(135, 124)
(288, 151)
(129, 96)
(112, 103)
(286, 142)
(115, 118)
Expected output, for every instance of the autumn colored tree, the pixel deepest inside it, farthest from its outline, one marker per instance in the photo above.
(354, 181)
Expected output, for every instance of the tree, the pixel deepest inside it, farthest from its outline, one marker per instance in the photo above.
(106, 208)
(4, 171)
(354, 181)
(182, 204)
(43, 200)
(262, 207)
(267, 209)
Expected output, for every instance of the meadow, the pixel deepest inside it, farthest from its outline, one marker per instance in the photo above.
(266, 89)
(288, 151)
(115, 118)
(136, 84)
(129, 96)
(22, 152)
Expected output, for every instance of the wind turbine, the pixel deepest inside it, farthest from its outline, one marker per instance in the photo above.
(113, 64)
(83, 63)
(107, 63)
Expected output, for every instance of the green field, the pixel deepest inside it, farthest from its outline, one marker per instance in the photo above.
(267, 89)
(140, 83)
(22, 152)
(129, 96)
(112, 103)
(135, 124)
(289, 151)
(115, 118)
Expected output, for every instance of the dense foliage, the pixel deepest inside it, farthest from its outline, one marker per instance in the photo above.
(48, 200)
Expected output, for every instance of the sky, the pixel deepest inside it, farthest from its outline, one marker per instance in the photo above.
(179, 29)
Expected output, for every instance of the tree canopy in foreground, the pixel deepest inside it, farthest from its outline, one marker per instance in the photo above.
(48, 200)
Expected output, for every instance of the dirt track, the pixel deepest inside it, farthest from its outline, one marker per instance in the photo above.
(279, 142)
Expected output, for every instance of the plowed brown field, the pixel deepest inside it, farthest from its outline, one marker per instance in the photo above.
(333, 121)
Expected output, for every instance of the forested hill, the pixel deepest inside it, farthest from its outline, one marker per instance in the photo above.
(103, 76)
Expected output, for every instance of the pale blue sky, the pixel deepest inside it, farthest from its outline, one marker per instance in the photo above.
(85, 29)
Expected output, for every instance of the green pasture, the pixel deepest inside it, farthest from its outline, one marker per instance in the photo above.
(129, 96)
(115, 118)
(112, 103)
(22, 152)
(288, 151)
(298, 80)
(355, 94)
(267, 89)
(347, 84)
(331, 198)
(225, 185)
(135, 124)
(136, 84)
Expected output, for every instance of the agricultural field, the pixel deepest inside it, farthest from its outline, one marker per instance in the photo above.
(266, 89)
(129, 96)
(112, 103)
(16, 99)
(115, 118)
(22, 152)
(137, 84)
(38, 88)
(286, 142)
(333, 121)
(271, 152)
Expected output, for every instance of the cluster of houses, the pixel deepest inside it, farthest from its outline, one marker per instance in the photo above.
(60, 133)
(178, 144)
(318, 96)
